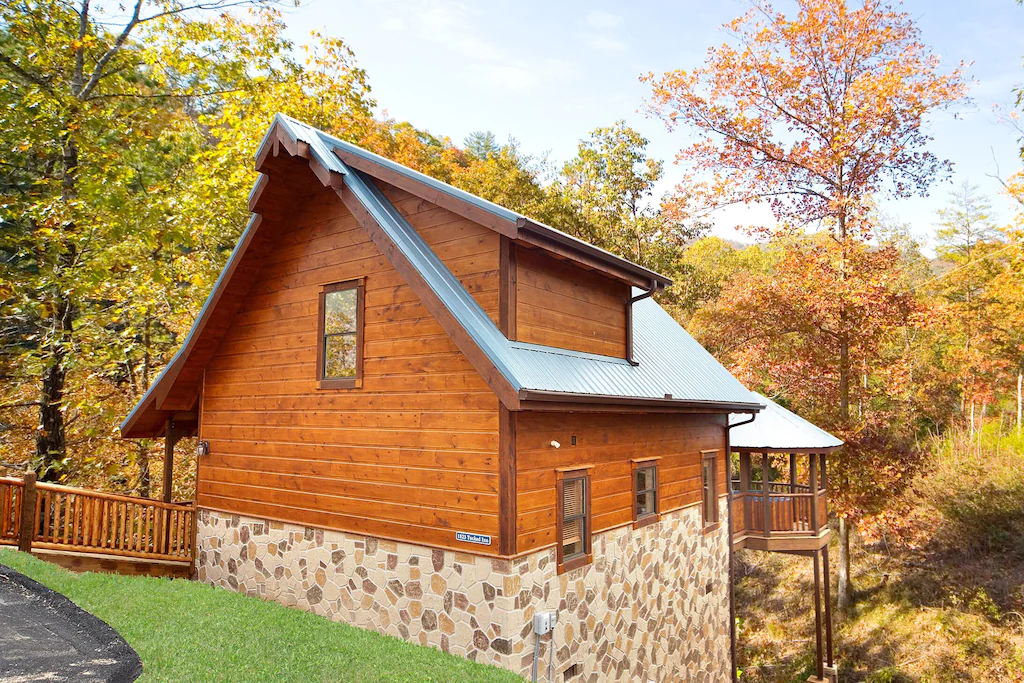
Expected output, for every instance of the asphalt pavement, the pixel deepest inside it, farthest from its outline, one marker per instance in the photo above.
(46, 637)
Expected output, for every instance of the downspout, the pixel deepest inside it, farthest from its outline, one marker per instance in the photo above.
(732, 574)
(652, 288)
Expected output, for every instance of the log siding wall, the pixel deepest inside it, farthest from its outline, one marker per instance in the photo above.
(412, 455)
(609, 443)
(560, 304)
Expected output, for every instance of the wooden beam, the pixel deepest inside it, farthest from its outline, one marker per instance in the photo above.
(819, 657)
(828, 607)
(26, 530)
(814, 491)
(170, 437)
(507, 480)
(765, 498)
(508, 274)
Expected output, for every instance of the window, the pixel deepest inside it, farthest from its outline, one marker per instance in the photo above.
(340, 353)
(709, 488)
(645, 492)
(573, 519)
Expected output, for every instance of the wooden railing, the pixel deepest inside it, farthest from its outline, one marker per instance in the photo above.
(10, 509)
(789, 510)
(79, 520)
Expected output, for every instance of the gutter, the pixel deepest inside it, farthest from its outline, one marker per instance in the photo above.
(732, 572)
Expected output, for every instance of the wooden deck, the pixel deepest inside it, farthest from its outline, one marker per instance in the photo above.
(96, 531)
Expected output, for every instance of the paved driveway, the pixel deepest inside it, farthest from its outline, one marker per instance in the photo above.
(46, 637)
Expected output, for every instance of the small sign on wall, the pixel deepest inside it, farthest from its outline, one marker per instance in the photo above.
(466, 537)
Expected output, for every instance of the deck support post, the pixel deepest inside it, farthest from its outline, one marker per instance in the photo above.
(745, 487)
(765, 491)
(828, 607)
(170, 438)
(819, 658)
(814, 493)
(26, 529)
(792, 487)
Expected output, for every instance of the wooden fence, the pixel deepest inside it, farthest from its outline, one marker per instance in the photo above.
(53, 517)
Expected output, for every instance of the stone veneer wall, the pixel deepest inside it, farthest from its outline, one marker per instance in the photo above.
(653, 606)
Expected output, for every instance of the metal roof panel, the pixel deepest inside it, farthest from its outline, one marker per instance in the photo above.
(778, 429)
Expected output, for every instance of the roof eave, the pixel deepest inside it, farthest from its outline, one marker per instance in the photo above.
(778, 449)
(542, 396)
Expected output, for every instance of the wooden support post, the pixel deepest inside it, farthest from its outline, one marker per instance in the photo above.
(792, 490)
(28, 513)
(169, 439)
(814, 491)
(765, 489)
(745, 487)
(819, 658)
(828, 608)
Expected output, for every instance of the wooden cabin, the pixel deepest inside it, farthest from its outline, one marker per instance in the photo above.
(427, 415)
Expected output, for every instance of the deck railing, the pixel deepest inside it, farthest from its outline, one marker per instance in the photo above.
(10, 509)
(80, 520)
(789, 510)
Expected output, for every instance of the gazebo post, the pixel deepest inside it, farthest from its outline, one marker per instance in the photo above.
(765, 490)
(814, 491)
(792, 488)
(745, 487)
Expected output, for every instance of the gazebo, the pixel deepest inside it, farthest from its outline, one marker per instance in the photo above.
(778, 501)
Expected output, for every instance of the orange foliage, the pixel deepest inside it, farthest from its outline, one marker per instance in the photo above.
(813, 114)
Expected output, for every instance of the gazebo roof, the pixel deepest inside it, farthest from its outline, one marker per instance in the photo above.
(776, 429)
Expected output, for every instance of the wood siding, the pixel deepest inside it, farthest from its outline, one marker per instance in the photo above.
(413, 454)
(608, 442)
(560, 304)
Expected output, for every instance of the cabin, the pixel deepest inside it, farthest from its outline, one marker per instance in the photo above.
(426, 415)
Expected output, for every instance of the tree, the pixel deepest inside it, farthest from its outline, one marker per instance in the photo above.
(814, 115)
(81, 90)
(969, 242)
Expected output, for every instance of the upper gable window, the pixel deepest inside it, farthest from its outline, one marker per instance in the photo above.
(340, 355)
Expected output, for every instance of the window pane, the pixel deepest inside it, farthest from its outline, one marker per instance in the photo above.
(645, 479)
(340, 311)
(572, 538)
(340, 356)
(644, 504)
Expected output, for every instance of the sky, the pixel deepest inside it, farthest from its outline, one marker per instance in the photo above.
(547, 73)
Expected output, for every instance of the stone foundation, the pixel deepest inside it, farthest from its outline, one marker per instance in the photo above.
(653, 606)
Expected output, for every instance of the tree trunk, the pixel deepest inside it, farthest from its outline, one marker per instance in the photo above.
(845, 588)
(51, 445)
(51, 442)
(1020, 381)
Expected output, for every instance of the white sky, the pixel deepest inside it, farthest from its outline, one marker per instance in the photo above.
(547, 73)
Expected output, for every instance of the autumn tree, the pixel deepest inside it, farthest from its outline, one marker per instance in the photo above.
(83, 91)
(969, 245)
(814, 115)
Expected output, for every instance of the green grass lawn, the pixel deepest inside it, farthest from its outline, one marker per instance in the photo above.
(185, 631)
